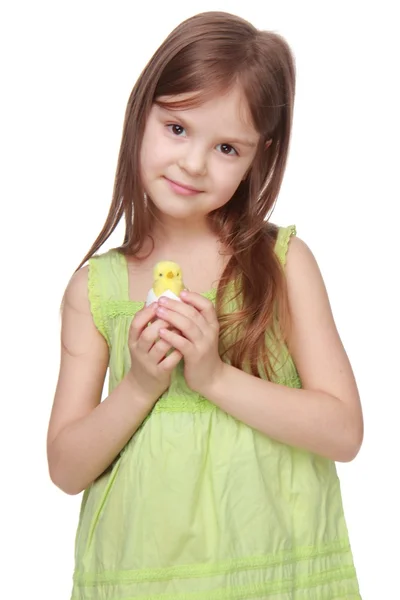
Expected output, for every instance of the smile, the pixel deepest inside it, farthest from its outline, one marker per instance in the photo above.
(180, 188)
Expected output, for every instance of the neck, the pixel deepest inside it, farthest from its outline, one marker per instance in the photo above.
(182, 235)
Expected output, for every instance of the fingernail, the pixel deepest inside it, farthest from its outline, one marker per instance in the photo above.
(163, 300)
(184, 294)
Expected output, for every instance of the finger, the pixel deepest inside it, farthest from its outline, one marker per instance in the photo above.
(150, 335)
(176, 341)
(203, 305)
(140, 321)
(189, 327)
(171, 361)
(159, 350)
(181, 308)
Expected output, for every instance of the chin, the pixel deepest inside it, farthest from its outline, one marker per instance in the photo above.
(181, 215)
(179, 208)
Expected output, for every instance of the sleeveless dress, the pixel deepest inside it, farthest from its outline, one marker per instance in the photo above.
(199, 506)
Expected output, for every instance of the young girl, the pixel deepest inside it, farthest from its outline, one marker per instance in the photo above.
(209, 470)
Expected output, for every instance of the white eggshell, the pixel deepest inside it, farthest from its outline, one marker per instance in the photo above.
(151, 297)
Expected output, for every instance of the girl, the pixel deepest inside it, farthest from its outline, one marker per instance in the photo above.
(209, 469)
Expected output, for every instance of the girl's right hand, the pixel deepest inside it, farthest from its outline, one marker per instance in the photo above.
(151, 368)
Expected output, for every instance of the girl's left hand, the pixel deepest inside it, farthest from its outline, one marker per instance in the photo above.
(196, 320)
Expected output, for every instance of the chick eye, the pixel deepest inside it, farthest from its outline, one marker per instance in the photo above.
(177, 274)
(160, 274)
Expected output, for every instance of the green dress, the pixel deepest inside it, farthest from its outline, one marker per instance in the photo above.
(199, 506)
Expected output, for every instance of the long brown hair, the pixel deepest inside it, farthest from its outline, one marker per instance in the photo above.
(208, 54)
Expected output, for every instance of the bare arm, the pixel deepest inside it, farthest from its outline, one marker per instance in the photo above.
(85, 435)
(325, 416)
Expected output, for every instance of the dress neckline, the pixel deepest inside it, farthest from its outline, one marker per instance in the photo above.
(210, 294)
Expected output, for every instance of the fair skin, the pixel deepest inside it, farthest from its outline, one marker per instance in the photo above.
(209, 148)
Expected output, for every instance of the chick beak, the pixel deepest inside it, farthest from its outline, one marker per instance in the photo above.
(170, 275)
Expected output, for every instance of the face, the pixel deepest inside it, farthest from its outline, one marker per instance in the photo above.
(193, 160)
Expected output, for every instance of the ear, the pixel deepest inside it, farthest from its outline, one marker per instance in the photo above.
(267, 144)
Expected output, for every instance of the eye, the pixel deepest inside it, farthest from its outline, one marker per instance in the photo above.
(177, 274)
(160, 274)
(227, 149)
(177, 130)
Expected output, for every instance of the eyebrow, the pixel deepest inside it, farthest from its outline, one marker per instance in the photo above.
(228, 140)
(242, 142)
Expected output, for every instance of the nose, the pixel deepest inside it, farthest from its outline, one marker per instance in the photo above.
(170, 275)
(193, 160)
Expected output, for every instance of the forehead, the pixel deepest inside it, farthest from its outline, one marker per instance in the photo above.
(227, 111)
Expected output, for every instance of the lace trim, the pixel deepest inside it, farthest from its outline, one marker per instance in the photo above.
(95, 299)
(255, 562)
(128, 308)
(121, 308)
(191, 405)
(284, 235)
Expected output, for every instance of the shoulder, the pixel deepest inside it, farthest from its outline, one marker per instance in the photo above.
(299, 253)
(302, 270)
(81, 306)
(76, 294)
(85, 281)
(311, 317)
(307, 294)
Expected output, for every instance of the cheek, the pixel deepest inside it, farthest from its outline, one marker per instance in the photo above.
(154, 152)
(228, 180)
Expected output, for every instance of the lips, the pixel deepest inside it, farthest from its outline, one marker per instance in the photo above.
(178, 185)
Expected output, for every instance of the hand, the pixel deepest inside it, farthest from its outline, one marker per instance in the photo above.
(151, 368)
(196, 337)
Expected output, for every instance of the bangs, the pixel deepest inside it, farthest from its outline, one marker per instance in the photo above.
(194, 99)
(185, 93)
(183, 99)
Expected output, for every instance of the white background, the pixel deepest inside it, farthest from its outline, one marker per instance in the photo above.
(67, 71)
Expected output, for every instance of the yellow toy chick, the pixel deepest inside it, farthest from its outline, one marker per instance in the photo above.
(167, 281)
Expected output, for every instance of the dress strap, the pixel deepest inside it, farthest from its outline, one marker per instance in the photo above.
(106, 283)
(282, 242)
